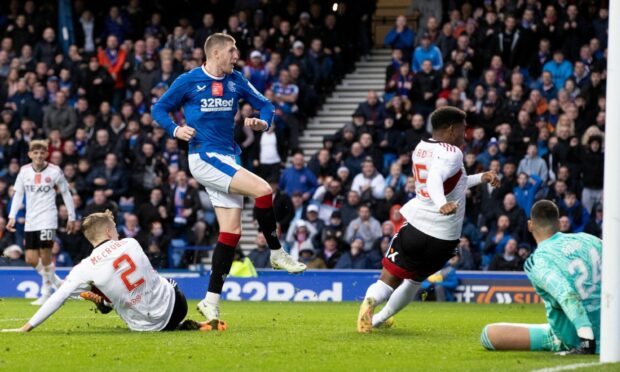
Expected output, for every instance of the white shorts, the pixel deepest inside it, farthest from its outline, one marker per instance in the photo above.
(215, 172)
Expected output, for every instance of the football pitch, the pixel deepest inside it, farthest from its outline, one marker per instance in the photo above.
(274, 336)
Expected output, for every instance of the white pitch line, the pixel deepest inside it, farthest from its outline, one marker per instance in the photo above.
(568, 367)
(68, 317)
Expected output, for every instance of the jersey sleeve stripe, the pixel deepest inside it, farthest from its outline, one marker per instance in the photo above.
(451, 182)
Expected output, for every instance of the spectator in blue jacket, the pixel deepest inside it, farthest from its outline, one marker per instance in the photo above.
(426, 51)
(559, 68)
(256, 72)
(298, 178)
(401, 36)
(525, 191)
(355, 258)
(576, 213)
(444, 281)
(491, 153)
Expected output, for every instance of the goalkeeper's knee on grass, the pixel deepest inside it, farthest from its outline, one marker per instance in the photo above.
(484, 339)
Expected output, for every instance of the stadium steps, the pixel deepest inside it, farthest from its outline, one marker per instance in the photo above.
(338, 108)
(334, 114)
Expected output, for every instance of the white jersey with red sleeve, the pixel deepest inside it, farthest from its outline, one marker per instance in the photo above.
(440, 177)
(40, 191)
(123, 273)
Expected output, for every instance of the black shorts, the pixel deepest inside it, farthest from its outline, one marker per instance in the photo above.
(415, 255)
(180, 308)
(40, 239)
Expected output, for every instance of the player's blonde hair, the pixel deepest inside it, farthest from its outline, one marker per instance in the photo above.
(216, 40)
(95, 224)
(38, 145)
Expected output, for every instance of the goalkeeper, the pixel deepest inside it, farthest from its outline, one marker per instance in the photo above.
(565, 270)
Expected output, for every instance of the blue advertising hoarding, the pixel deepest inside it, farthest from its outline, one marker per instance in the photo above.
(314, 285)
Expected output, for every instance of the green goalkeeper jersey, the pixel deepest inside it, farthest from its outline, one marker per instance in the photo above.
(565, 270)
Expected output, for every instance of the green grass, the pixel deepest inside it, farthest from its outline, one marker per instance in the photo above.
(273, 336)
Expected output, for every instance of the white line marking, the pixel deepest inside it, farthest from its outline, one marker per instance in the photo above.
(56, 317)
(568, 367)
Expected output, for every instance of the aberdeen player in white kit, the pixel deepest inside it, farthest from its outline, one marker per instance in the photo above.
(434, 219)
(123, 276)
(38, 181)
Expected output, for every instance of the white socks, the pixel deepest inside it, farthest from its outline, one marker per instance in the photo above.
(401, 297)
(48, 273)
(379, 291)
(212, 298)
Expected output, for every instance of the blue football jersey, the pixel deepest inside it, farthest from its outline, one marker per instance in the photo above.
(209, 105)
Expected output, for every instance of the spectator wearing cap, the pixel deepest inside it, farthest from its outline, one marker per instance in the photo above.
(355, 257)
(426, 52)
(298, 178)
(400, 36)
(344, 175)
(309, 256)
(491, 153)
(312, 218)
(61, 117)
(369, 183)
(559, 68)
(300, 236)
(12, 256)
(364, 226)
(299, 57)
(334, 227)
(256, 73)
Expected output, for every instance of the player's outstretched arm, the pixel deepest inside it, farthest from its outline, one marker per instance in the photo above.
(54, 303)
(259, 102)
(485, 177)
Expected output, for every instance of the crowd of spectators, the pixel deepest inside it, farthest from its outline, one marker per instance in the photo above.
(531, 77)
(92, 98)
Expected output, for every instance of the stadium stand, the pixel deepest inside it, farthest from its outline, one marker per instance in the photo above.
(530, 75)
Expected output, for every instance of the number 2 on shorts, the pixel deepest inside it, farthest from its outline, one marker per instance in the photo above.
(129, 271)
